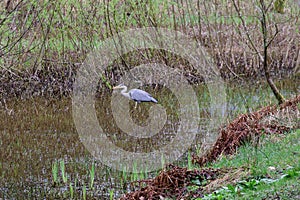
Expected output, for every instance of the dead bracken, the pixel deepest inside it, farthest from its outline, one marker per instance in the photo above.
(174, 182)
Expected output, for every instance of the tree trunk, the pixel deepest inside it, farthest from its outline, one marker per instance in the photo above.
(273, 87)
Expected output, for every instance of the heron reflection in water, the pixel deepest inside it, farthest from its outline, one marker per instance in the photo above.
(136, 95)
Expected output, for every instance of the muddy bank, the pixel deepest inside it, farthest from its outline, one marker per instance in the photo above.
(58, 81)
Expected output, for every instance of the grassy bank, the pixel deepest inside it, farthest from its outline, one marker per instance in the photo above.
(268, 170)
(274, 170)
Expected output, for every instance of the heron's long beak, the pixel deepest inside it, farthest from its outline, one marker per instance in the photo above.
(115, 87)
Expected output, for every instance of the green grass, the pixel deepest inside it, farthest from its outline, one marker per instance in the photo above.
(55, 172)
(286, 188)
(92, 175)
(269, 153)
(274, 170)
(63, 171)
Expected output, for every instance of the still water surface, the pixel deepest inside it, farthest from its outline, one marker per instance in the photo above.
(39, 132)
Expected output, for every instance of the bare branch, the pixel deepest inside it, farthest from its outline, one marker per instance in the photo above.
(274, 36)
(246, 31)
(10, 12)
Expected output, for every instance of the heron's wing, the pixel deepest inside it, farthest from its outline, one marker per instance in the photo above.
(140, 95)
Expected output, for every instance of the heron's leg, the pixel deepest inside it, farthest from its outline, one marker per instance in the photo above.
(135, 105)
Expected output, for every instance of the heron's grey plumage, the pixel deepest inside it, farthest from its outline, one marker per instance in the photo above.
(141, 96)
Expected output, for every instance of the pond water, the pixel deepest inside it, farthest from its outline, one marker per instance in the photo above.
(42, 156)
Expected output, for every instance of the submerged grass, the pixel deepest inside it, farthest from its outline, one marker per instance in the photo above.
(92, 175)
(63, 171)
(55, 172)
(71, 190)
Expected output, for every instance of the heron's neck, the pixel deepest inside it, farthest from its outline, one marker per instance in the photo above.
(124, 93)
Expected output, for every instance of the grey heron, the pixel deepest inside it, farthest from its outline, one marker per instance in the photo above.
(135, 94)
